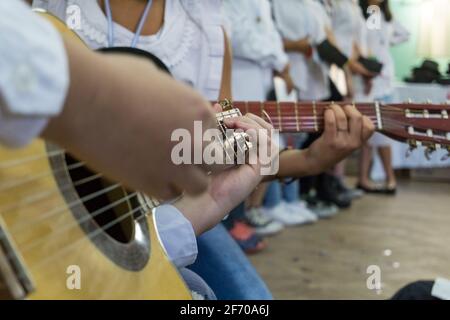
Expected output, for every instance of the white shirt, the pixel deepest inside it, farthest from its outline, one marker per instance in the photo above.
(190, 43)
(298, 19)
(346, 17)
(34, 73)
(379, 42)
(257, 47)
(177, 236)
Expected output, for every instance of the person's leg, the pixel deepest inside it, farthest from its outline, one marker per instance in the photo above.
(365, 162)
(273, 195)
(385, 153)
(291, 191)
(339, 169)
(223, 265)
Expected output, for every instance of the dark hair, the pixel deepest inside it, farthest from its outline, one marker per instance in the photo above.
(384, 6)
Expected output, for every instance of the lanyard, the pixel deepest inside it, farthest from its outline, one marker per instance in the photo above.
(138, 30)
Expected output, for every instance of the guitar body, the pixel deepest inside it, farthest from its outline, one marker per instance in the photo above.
(54, 246)
(68, 233)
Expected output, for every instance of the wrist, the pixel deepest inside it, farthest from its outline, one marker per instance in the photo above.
(198, 212)
(312, 164)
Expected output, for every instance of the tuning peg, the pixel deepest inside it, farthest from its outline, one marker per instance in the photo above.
(447, 156)
(410, 151)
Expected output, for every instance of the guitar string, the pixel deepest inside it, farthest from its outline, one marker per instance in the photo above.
(68, 227)
(21, 182)
(88, 236)
(50, 214)
(25, 160)
(30, 199)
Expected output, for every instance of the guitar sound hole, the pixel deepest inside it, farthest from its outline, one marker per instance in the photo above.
(111, 207)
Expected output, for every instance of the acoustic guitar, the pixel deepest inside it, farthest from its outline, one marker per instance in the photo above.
(69, 233)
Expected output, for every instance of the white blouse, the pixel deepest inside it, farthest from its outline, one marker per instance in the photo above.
(298, 19)
(257, 47)
(379, 43)
(346, 17)
(190, 43)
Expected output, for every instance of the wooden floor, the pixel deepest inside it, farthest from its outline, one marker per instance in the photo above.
(408, 237)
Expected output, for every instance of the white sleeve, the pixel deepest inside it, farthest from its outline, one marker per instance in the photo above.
(317, 23)
(34, 75)
(249, 42)
(399, 33)
(56, 7)
(177, 236)
(361, 37)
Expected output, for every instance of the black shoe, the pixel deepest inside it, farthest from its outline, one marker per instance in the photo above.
(328, 190)
(390, 191)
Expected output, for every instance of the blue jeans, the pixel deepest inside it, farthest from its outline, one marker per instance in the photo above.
(226, 269)
(276, 192)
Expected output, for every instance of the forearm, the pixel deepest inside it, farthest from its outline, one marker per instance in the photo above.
(84, 91)
(210, 215)
(294, 164)
(300, 46)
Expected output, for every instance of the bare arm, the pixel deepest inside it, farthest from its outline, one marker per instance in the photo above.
(123, 130)
(301, 46)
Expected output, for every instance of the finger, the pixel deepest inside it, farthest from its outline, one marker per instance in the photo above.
(355, 121)
(330, 131)
(217, 108)
(193, 181)
(341, 118)
(244, 123)
(368, 128)
(263, 123)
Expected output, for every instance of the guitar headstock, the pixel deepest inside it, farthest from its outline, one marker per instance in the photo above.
(419, 125)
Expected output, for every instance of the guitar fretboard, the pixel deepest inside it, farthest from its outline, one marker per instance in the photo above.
(291, 117)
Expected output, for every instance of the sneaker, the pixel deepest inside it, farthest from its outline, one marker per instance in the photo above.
(300, 207)
(281, 214)
(263, 225)
(246, 238)
(323, 210)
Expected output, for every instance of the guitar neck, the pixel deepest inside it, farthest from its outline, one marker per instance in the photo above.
(292, 117)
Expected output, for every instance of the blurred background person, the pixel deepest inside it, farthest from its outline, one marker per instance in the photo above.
(379, 41)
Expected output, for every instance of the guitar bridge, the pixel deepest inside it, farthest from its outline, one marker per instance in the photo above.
(15, 282)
